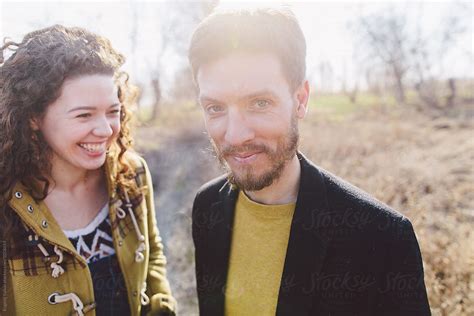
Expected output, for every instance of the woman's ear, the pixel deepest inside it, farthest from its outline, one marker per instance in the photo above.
(34, 124)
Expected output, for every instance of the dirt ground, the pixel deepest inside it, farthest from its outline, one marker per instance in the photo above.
(421, 166)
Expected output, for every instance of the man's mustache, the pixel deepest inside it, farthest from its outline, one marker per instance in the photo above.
(232, 150)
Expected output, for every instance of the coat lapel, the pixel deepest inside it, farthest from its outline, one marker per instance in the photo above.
(306, 248)
(220, 237)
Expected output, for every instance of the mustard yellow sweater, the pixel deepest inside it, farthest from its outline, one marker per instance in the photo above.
(258, 250)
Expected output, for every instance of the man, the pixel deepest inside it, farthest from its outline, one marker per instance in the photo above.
(278, 235)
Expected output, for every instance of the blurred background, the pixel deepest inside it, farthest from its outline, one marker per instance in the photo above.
(391, 111)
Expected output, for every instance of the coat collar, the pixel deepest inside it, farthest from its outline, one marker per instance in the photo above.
(36, 215)
(306, 249)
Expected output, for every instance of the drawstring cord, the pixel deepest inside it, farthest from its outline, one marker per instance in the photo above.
(120, 212)
(139, 257)
(144, 299)
(55, 266)
(56, 298)
(57, 269)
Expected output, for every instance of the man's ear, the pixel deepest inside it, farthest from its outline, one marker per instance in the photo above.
(302, 96)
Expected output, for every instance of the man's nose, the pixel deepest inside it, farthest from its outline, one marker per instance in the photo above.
(238, 130)
(103, 127)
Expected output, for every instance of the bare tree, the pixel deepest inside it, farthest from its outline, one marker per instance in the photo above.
(175, 33)
(171, 25)
(428, 59)
(386, 37)
(325, 76)
(183, 88)
(411, 56)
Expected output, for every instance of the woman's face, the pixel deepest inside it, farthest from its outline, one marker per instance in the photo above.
(82, 123)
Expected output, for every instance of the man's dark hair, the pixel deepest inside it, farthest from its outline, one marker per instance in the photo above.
(263, 30)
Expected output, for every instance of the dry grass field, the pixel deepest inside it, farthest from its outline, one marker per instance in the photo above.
(421, 166)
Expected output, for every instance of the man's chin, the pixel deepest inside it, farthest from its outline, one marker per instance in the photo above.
(249, 181)
(248, 185)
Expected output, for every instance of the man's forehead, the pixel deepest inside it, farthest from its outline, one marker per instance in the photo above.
(242, 60)
(242, 74)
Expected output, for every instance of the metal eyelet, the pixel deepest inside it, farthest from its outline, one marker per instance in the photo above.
(18, 195)
(44, 223)
(30, 208)
(52, 298)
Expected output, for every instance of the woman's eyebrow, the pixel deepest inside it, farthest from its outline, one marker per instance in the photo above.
(83, 108)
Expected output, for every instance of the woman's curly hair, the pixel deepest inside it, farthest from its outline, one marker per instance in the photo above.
(30, 80)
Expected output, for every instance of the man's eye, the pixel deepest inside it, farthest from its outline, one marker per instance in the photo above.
(261, 104)
(214, 109)
(84, 115)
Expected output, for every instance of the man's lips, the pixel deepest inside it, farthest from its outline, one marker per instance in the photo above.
(244, 157)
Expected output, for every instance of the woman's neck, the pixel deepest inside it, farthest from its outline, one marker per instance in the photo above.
(67, 178)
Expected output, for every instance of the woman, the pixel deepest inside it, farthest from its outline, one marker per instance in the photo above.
(76, 202)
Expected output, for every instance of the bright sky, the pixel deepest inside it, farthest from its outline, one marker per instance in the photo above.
(325, 24)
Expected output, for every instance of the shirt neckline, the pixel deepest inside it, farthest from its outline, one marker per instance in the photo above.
(102, 215)
(264, 210)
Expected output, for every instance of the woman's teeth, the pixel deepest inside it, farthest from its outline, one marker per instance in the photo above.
(93, 147)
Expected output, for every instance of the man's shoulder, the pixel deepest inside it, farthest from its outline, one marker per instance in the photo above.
(342, 193)
(345, 197)
(210, 191)
(362, 214)
(134, 159)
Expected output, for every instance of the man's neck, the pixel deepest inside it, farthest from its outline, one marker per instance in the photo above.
(283, 190)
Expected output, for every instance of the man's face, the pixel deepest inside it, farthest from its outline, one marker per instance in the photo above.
(251, 115)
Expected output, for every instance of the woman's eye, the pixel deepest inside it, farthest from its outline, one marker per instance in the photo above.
(261, 104)
(215, 109)
(115, 111)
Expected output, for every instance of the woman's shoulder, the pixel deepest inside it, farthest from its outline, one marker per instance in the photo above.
(135, 160)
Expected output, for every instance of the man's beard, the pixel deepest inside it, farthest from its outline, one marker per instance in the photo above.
(248, 179)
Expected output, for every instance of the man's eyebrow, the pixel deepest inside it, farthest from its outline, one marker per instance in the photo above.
(253, 95)
(265, 92)
(90, 108)
(205, 98)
